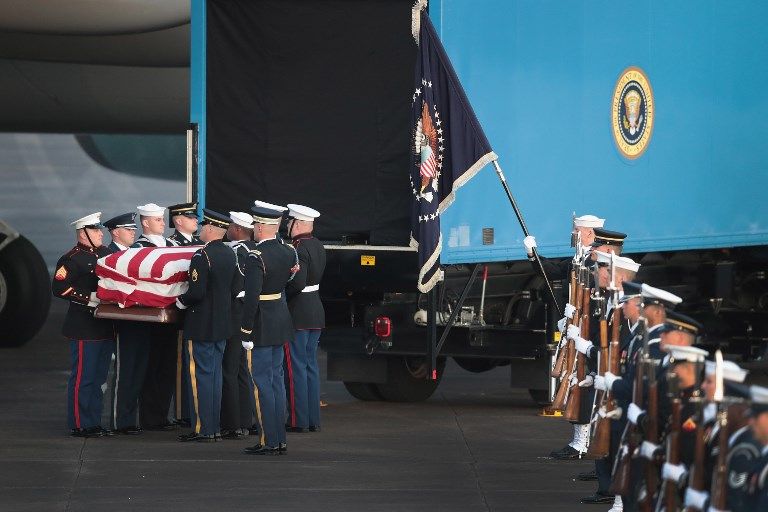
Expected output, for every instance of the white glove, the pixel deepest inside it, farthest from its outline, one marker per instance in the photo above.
(600, 383)
(587, 382)
(633, 412)
(561, 325)
(93, 300)
(573, 380)
(674, 472)
(248, 345)
(570, 309)
(583, 345)
(610, 379)
(529, 243)
(573, 332)
(241, 295)
(180, 305)
(648, 450)
(696, 499)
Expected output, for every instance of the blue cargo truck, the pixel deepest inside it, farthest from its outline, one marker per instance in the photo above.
(652, 115)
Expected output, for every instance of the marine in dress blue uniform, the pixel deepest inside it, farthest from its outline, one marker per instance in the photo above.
(130, 367)
(212, 285)
(266, 324)
(303, 293)
(91, 339)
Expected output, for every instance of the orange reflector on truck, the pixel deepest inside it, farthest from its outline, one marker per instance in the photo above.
(367, 261)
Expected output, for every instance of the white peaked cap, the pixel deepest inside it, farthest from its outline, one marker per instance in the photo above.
(588, 221)
(300, 212)
(242, 219)
(684, 353)
(151, 210)
(731, 371)
(650, 292)
(270, 206)
(93, 219)
(619, 261)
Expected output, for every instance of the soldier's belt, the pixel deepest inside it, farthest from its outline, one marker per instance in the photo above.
(271, 296)
(311, 288)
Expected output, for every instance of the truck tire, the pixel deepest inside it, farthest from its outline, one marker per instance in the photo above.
(365, 391)
(540, 396)
(25, 292)
(475, 364)
(407, 379)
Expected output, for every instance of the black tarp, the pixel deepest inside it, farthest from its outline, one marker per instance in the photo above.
(309, 102)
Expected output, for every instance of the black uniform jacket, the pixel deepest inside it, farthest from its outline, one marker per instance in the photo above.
(305, 306)
(74, 280)
(212, 285)
(181, 240)
(113, 247)
(241, 249)
(266, 319)
(143, 241)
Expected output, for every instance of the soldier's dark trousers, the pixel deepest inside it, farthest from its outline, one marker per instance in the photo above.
(202, 361)
(90, 366)
(160, 379)
(267, 368)
(604, 467)
(237, 391)
(132, 353)
(303, 379)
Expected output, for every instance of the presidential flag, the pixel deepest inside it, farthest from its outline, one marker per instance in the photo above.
(449, 148)
(147, 276)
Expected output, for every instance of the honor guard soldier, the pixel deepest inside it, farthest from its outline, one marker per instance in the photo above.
(183, 218)
(238, 401)
(308, 321)
(91, 339)
(122, 229)
(161, 368)
(757, 479)
(207, 302)
(266, 324)
(583, 233)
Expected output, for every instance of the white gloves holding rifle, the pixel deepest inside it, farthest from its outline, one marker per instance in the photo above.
(529, 243)
(247, 345)
(674, 472)
(570, 309)
(634, 412)
(696, 499)
(605, 382)
(582, 345)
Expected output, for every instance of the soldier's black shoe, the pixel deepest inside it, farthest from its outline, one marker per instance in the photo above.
(262, 450)
(568, 453)
(232, 434)
(314, 428)
(296, 430)
(254, 448)
(598, 499)
(129, 431)
(87, 432)
(282, 448)
(194, 436)
(165, 427)
(586, 477)
(107, 431)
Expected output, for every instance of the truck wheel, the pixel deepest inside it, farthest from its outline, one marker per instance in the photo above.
(407, 379)
(365, 391)
(476, 365)
(540, 396)
(25, 292)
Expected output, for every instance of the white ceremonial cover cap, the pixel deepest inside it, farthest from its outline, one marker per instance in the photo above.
(151, 210)
(588, 221)
(94, 219)
(242, 219)
(650, 292)
(270, 206)
(619, 261)
(300, 212)
(683, 353)
(731, 371)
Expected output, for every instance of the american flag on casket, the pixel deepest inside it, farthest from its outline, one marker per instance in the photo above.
(147, 276)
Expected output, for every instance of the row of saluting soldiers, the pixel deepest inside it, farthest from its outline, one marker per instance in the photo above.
(252, 309)
(669, 425)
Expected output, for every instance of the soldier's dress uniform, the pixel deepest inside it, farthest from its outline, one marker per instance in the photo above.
(303, 375)
(129, 369)
(91, 339)
(742, 457)
(186, 210)
(267, 324)
(757, 478)
(239, 399)
(207, 302)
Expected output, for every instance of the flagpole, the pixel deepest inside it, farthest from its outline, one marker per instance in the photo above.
(520, 219)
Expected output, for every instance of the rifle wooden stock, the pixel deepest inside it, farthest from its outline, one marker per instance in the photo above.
(573, 403)
(651, 435)
(720, 477)
(560, 360)
(668, 492)
(622, 472)
(600, 446)
(696, 480)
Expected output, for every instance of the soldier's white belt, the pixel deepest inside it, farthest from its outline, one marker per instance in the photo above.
(271, 296)
(311, 288)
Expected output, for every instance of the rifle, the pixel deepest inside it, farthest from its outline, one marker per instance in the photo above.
(718, 494)
(601, 435)
(567, 354)
(651, 435)
(696, 479)
(573, 404)
(668, 495)
(560, 355)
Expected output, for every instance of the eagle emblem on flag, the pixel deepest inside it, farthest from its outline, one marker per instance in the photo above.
(426, 147)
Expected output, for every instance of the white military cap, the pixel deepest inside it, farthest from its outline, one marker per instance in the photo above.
(619, 261)
(731, 371)
(684, 353)
(300, 212)
(269, 206)
(151, 210)
(89, 221)
(588, 221)
(242, 219)
(652, 295)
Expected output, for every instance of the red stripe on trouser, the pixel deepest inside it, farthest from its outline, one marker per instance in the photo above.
(287, 348)
(78, 379)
